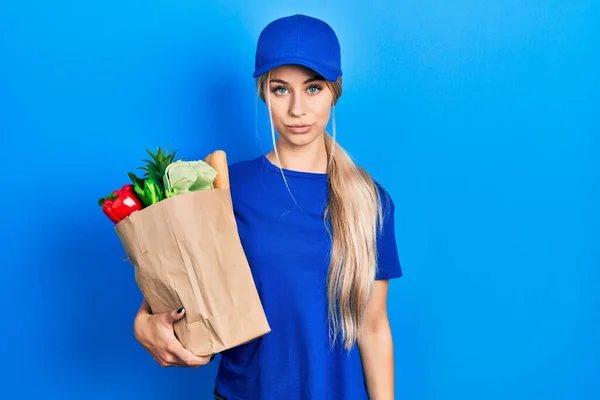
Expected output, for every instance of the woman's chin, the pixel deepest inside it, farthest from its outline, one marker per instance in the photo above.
(300, 139)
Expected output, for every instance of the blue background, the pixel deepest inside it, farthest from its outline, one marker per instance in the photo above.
(480, 117)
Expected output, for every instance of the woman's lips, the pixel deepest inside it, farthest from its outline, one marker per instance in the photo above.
(298, 128)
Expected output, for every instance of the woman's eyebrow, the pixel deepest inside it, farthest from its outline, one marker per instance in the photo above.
(309, 80)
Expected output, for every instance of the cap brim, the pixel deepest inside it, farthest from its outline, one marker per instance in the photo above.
(328, 73)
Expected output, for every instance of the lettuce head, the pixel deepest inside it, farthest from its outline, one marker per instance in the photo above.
(188, 176)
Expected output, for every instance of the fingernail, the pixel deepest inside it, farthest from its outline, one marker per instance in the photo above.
(180, 310)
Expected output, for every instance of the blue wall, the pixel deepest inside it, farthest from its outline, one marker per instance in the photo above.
(481, 118)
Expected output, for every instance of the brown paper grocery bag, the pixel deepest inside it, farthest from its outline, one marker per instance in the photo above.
(186, 252)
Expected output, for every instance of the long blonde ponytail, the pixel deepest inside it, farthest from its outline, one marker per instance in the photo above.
(354, 213)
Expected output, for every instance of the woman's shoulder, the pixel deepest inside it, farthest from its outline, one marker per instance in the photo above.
(383, 194)
(385, 198)
(240, 169)
(245, 174)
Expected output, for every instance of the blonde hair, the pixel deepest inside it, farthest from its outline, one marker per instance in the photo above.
(355, 213)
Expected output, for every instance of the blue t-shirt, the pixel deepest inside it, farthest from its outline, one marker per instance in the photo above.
(287, 247)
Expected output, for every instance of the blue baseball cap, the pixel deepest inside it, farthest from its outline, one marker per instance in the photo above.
(301, 40)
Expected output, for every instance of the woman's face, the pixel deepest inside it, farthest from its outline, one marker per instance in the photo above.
(300, 104)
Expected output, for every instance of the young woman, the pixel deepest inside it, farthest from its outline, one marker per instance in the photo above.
(319, 236)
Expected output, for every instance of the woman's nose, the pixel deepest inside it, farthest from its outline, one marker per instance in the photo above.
(297, 106)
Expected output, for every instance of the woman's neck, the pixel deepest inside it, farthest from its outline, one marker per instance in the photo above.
(309, 158)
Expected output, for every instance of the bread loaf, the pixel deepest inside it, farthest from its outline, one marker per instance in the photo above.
(218, 160)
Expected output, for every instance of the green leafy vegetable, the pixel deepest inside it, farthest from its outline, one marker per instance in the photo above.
(188, 176)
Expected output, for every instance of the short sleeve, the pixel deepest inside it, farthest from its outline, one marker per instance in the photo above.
(388, 266)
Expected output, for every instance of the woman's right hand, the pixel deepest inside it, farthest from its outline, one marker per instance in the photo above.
(155, 332)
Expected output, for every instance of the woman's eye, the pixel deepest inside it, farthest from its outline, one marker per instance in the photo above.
(282, 90)
(314, 89)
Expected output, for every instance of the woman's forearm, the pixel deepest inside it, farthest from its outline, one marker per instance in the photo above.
(377, 354)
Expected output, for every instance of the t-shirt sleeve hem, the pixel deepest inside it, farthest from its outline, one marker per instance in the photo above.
(385, 275)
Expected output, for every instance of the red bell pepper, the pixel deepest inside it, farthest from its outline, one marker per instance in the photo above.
(120, 203)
